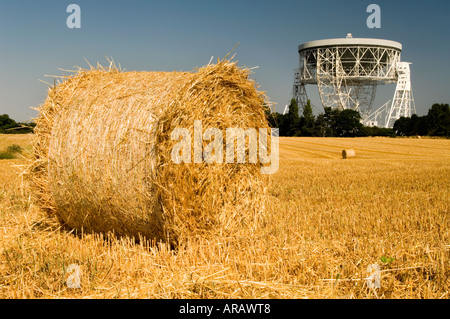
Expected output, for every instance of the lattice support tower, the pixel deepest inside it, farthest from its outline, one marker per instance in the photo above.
(403, 101)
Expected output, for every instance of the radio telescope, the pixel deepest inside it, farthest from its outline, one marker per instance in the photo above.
(347, 72)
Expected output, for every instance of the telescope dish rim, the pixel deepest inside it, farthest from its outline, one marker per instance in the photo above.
(344, 42)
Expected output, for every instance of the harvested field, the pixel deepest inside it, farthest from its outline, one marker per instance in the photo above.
(327, 221)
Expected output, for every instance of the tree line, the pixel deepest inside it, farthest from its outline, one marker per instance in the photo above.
(435, 123)
(9, 126)
(347, 123)
(332, 123)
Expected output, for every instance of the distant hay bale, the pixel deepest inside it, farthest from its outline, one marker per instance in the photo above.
(348, 153)
(101, 153)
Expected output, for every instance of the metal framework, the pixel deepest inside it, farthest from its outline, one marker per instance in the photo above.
(347, 72)
(403, 101)
(298, 92)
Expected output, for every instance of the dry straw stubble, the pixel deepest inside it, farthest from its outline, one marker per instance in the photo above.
(102, 153)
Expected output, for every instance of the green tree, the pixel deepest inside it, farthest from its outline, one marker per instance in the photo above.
(293, 120)
(438, 119)
(380, 131)
(402, 126)
(6, 123)
(320, 127)
(330, 117)
(307, 120)
(348, 123)
(418, 125)
(283, 125)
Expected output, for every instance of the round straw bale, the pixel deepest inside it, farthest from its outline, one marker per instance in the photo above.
(348, 153)
(102, 152)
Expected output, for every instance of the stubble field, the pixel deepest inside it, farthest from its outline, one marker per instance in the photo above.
(327, 221)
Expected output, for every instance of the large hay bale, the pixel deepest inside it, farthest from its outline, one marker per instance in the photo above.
(102, 160)
(348, 153)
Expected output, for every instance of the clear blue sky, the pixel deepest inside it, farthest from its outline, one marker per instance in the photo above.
(182, 35)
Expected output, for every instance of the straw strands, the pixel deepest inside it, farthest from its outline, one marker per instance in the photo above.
(101, 153)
